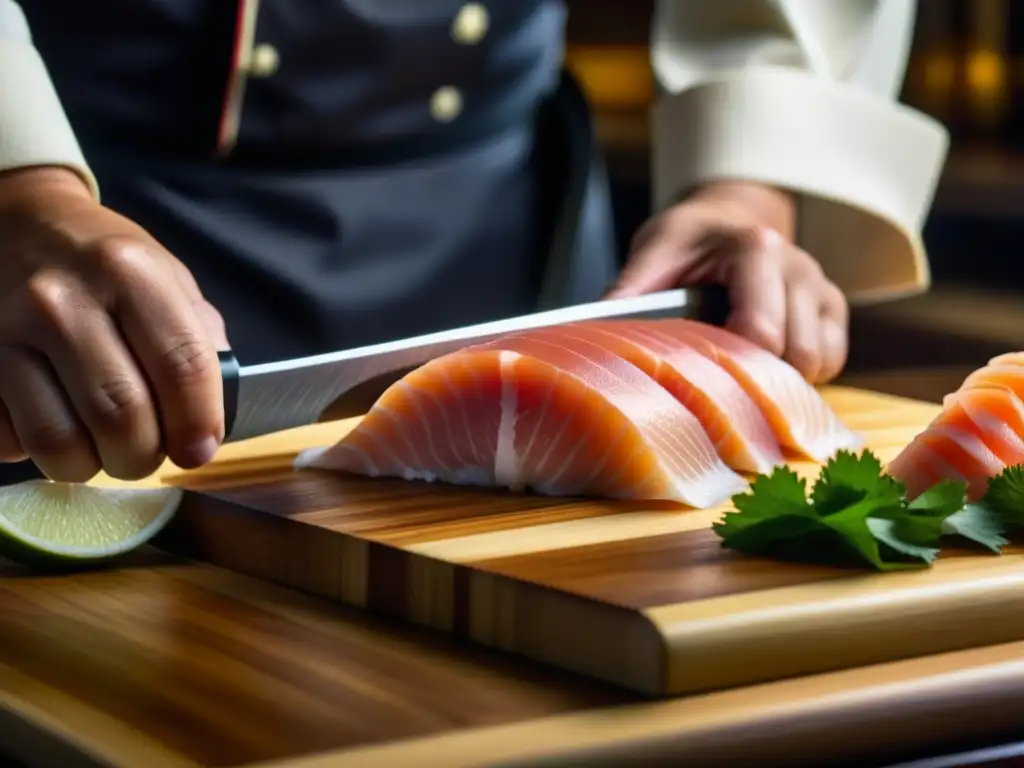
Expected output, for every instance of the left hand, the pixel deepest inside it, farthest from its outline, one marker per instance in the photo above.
(740, 235)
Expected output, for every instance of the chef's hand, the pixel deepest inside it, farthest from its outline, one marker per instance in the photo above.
(108, 351)
(740, 235)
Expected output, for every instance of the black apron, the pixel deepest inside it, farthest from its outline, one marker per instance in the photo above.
(342, 211)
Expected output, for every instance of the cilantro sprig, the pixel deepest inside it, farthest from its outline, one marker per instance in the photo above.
(856, 514)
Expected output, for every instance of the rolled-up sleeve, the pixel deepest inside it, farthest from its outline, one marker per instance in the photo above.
(34, 130)
(803, 95)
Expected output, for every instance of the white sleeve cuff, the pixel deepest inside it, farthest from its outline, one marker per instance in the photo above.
(865, 168)
(33, 127)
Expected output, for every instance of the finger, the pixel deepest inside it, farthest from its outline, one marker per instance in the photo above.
(757, 291)
(648, 231)
(213, 322)
(835, 334)
(175, 351)
(10, 446)
(43, 418)
(664, 253)
(803, 331)
(834, 349)
(834, 304)
(653, 268)
(99, 374)
(210, 318)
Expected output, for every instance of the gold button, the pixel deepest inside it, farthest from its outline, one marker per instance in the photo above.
(265, 60)
(446, 104)
(471, 24)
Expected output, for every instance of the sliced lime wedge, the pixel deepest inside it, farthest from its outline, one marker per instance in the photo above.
(47, 523)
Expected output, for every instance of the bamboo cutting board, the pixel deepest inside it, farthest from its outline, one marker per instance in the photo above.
(638, 594)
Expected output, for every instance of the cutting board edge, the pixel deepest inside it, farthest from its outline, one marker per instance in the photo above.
(633, 652)
(704, 655)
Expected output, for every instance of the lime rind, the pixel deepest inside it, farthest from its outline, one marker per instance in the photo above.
(42, 521)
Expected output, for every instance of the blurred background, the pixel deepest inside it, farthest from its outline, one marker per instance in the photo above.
(967, 70)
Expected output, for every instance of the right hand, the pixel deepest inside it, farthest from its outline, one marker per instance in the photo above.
(108, 351)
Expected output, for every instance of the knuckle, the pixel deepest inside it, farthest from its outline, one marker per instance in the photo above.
(119, 256)
(118, 402)
(760, 239)
(50, 296)
(187, 360)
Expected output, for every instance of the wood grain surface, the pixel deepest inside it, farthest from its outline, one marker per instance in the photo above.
(638, 594)
(162, 663)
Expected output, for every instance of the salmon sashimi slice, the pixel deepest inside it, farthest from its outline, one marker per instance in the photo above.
(540, 412)
(976, 436)
(801, 419)
(737, 428)
(995, 375)
(1007, 358)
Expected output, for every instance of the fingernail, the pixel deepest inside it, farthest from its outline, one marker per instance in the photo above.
(200, 453)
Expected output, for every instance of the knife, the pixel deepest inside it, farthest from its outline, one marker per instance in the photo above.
(270, 397)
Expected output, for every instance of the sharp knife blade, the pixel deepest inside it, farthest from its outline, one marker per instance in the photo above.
(270, 397)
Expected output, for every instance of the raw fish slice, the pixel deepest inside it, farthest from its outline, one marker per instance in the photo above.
(997, 417)
(800, 417)
(737, 428)
(994, 376)
(538, 413)
(1007, 358)
(977, 434)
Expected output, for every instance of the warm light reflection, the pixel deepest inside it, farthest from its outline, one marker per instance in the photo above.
(985, 65)
(986, 83)
(613, 77)
(939, 73)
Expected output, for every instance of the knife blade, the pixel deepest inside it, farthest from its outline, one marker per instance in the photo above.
(270, 397)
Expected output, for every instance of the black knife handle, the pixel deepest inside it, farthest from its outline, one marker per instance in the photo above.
(711, 304)
(22, 471)
(230, 372)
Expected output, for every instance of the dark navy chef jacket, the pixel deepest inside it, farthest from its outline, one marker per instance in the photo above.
(341, 172)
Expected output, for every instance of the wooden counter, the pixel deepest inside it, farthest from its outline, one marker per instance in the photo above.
(167, 664)
(164, 663)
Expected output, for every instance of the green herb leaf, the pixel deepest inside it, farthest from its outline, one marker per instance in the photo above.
(1005, 496)
(894, 534)
(941, 500)
(780, 494)
(919, 524)
(848, 478)
(858, 525)
(979, 524)
(855, 513)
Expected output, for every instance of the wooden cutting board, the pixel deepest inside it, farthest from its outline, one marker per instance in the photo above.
(639, 594)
